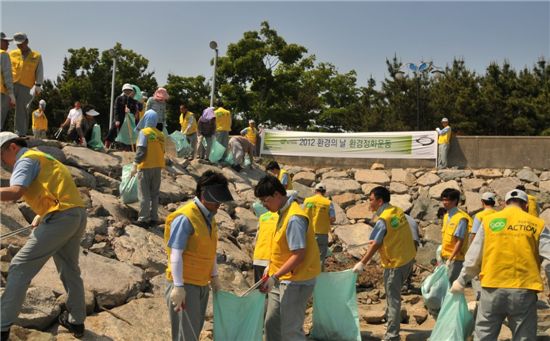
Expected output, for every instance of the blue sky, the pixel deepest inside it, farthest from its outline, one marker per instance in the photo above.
(174, 35)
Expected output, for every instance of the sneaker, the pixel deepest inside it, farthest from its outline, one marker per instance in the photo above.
(76, 329)
(141, 223)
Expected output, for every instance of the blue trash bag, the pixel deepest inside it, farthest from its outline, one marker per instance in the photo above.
(455, 322)
(435, 287)
(126, 132)
(258, 208)
(238, 318)
(183, 148)
(128, 185)
(216, 152)
(95, 142)
(335, 315)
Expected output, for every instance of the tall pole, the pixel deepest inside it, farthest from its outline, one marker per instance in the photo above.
(214, 46)
(417, 102)
(112, 93)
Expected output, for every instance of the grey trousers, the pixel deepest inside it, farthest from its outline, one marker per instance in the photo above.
(238, 153)
(192, 139)
(22, 98)
(322, 242)
(518, 305)
(286, 311)
(58, 235)
(148, 193)
(196, 300)
(39, 134)
(443, 152)
(393, 282)
(4, 110)
(222, 137)
(202, 152)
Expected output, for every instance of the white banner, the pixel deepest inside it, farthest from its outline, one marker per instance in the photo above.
(392, 145)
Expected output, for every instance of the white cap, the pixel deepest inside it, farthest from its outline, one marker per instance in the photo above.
(42, 103)
(127, 86)
(488, 196)
(444, 119)
(251, 121)
(320, 187)
(516, 193)
(19, 37)
(6, 136)
(92, 113)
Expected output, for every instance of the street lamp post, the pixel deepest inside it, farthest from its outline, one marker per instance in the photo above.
(214, 46)
(112, 90)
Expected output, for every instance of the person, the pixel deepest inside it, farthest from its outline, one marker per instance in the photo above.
(223, 124)
(443, 142)
(320, 212)
(148, 163)
(207, 129)
(533, 207)
(191, 237)
(40, 121)
(240, 146)
(259, 139)
(141, 106)
(158, 103)
(267, 224)
(488, 201)
(293, 265)
(84, 125)
(28, 76)
(7, 99)
(75, 114)
(506, 254)
(188, 125)
(47, 186)
(281, 174)
(250, 132)
(393, 239)
(456, 225)
(124, 103)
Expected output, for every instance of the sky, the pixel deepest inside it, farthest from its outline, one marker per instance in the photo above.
(359, 35)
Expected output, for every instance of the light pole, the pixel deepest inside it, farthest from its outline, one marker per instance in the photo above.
(417, 69)
(214, 46)
(112, 90)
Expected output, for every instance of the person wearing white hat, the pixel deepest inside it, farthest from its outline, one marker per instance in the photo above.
(28, 76)
(444, 142)
(40, 121)
(124, 103)
(82, 132)
(251, 133)
(6, 81)
(506, 254)
(75, 114)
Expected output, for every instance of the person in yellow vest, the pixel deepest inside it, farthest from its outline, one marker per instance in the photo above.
(281, 174)
(533, 207)
(28, 76)
(191, 237)
(47, 186)
(223, 124)
(393, 239)
(506, 254)
(293, 266)
(148, 164)
(320, 212)
(6, 82)
(40, 121)
(444, 142)
(251, 133)
(267, 223)
(188, 125)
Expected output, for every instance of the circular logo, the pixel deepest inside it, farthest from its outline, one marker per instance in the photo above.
(497, 224)
(394, 222)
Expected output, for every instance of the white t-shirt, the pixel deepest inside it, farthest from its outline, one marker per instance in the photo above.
(75, 115)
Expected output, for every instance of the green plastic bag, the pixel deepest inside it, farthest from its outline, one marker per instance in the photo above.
(335, 315)
(229, 159)
(238, 318)
(247, 161)
(95, 141)
(258, 208)
(183, 148)
(128, 185)
(216, 152)
(455, 322)
(434, 288)
(126, 133)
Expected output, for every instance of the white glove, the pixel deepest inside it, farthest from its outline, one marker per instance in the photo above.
(117, 124)
(448, 264)
(358, 267)
(36, 221)
(268, 284)
(35, 90)
(177, 297)
(133, 172)
(215, 283)
(457, 288)
(437, 129)
(12, 99)
(83, 143)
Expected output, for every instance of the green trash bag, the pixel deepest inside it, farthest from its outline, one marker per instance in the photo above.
(335, 315)
(128, 185)
(238, 318)
(229, 159)
(258, 208)
(183, 148)
(137, 92)
(455, 322)
(95, 141)
(434, 288)
(247, 161)
(216, 152)
(126, 132)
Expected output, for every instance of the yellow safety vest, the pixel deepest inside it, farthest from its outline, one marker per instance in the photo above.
(200, 252)
(448, 230)
(40, 122)
(317, 209)
(184, 122)
(283, 172)
(53, 189)
(223, 119)
(280, 253)
(268, 225)
(3, 88)
(532, 205)
(154, 157)
(24, 69)
(511, 250)
(251, 135)
(445, 138)
(398, 247)
(480, 215)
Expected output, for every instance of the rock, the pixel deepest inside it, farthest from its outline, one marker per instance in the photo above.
(12, 219)
(111, 281)
(346, 199)
(231, 279)
(246, 220)
(545, 185)
(502, 186)
(373, 315)
(420, 314)
(335, 174)
(341, 218)
(354, 238)
(428, 179)
(372, 176)
(473, 202)
(91, 160)
(426, 253)
(435, 191)
(377, 166)
(338, 186)
(158, 285)
(472, 184)
(545, 215)
(527, 175)
(170, 191)
(432, 232)
(304, 178)
(82, 178)
(487, 173)
(399, 188)
(366, 188)
(359, 211)
(224, 221)
(53, 151)
(113, 205)
(233, 254)
(18, 333)
(39, 309)
(544, 176)
(507, 173)
(103, 249)
(187, 184)
(89, 300)
(425, 208)
(302, 191)
(94, 226)
(196, 168)
(403, 176)
(402, 201)
(112, 185)
(452, 174)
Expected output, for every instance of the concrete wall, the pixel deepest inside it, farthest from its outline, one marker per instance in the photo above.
(466, 152)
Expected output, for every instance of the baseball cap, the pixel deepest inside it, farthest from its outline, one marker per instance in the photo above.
(127, 86)
(320, 187)
(217, 193)
(444, 119)
(19, 37)
(6, 136)
(516, 194)
(3, 36)
(488, 196)
(92, 113)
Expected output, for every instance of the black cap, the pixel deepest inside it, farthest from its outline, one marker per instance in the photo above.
(217, 193)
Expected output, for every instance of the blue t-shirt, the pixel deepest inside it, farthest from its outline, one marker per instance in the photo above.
(25, 170)
(181, 227)
(462, 227)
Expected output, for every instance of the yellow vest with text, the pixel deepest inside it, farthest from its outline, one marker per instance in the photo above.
(485, 212)
(200, 252)
(266, 229)
(511, 250)
(532, 205)
(40, 122)
(317, 209)
(310, 267)
(223, 119)
(445, 138)
(251, 135)
(283, 172)
(3, 88)
(53, 189)
(398, 247)
(184, 122)
(154, 157)
(24, 69)
(449, 227)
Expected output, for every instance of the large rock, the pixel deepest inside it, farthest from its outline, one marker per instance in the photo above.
(545, 185)
(426, 253)
(435, 191)
(12, 219)
(232, 279)
(346, 199)
(335, 175)
(302, 191)
(428, 179)
(82, 178)
(432, 233)
(372, 176)
(18, 333)
(425, 208)
(487, 173)
(545, 215)
(502, 186)
(403, 176)
(527, 175)
(225, 222)
(234, 254)
(170, 190)
(338, 186)
(544, 176)
(473, 202)
(402, 201)
(366, 188)
(452, 174)
(112, 281)
(472, 184)
(246, 220)
(399, 188)
(341, 218)
(91, 160)
(39, 309)
(113, 205)
(359, 211)
(94, 226)
(305, 178)
(354, 238)
(107, 182)
(187, 184)
(53, 151)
